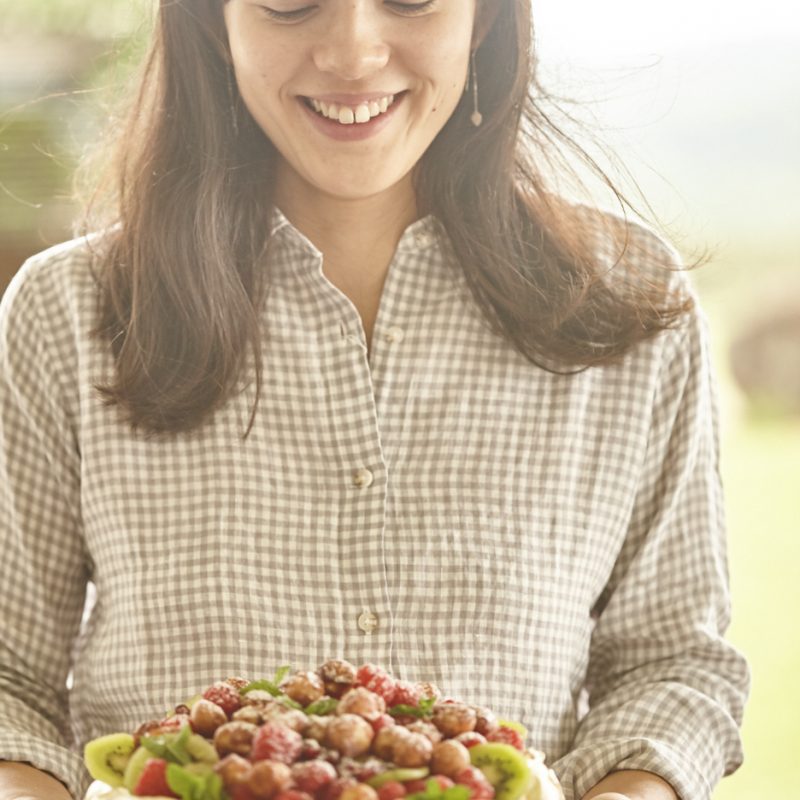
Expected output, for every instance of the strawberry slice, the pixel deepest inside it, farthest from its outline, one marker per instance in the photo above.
(153, 780)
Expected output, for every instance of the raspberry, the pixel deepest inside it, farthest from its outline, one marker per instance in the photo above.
(417, 785)
(376, 680)
(312, 775)
(406, 693)
(153, 780)
(391, 791)
(383, 721)
(470, 739)
(277, 743)
(225, 696)
(507, 736)
(475, 780)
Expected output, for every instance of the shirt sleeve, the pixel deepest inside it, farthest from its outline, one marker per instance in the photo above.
(665, 691)
(43, 567)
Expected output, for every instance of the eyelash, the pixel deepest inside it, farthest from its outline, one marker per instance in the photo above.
(410, 9)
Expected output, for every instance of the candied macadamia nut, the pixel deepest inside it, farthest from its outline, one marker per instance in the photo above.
(337, 676)
(304, 687)
(449, 758)
(454, 718)
(350, 734)
(234, 737)
(206, 717)
(363, 702)
(412, 750)
(268, 778)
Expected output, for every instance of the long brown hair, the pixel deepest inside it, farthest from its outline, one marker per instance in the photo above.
(189, 190)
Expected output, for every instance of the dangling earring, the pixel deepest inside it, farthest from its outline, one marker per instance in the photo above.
(233, 94)
(476, 117)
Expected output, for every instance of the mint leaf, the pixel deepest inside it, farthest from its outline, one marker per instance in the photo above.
(170, 746)
(281, 674)
(423, 710)
(287, 701)
(267, 686)
(326, 705)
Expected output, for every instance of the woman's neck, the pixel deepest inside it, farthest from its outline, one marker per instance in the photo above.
(357, 237)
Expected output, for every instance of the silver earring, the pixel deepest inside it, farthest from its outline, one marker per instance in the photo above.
(476, 117)
(233, 92)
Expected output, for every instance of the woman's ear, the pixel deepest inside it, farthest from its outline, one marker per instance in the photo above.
(485, 15)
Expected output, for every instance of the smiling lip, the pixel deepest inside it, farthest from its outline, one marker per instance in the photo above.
(357, 131)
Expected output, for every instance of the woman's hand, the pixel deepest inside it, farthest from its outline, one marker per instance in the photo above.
(24, 782)
(629, 784)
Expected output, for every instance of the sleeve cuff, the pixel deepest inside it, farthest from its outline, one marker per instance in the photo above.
(584, 767)
(62, 763)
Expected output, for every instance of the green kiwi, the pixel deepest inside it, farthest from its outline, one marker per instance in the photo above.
(135, 767)
(505, 767)
(200, 749)
(107, 757)
(400, 775)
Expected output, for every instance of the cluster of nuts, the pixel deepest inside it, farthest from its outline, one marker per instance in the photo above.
(271, 751)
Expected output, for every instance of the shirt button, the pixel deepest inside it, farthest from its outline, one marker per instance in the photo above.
(362, 478)
(423, 239)
(394, 335)
(367, 621)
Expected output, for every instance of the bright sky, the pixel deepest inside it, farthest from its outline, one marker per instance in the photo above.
(613, 29)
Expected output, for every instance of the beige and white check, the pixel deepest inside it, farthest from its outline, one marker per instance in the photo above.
(543, 545)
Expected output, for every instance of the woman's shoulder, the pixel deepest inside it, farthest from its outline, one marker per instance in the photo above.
(56, 276)
(52, 299)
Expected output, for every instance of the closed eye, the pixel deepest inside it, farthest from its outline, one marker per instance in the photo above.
(403, 8)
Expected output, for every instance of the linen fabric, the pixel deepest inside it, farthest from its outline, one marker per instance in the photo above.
(550, 546)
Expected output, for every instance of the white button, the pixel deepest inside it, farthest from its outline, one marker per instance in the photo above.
(394, 335)
(362, 478)
(367, 621)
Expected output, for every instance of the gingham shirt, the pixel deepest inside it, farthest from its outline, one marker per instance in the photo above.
(539, 544)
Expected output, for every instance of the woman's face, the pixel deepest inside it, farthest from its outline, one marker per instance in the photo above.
(350, 53)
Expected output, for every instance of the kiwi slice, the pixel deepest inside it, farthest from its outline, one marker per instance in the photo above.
(135, 767)
(107, 757)
(505, 767)
(200, 749)
(400, 775)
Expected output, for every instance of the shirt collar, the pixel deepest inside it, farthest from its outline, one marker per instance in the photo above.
(293, 251)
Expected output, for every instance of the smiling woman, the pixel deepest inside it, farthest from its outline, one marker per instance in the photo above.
(338, 375)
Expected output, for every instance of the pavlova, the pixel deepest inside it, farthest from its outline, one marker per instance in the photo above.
(338, 733)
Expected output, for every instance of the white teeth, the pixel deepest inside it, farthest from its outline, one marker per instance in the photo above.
(346, 115)
(362, 113)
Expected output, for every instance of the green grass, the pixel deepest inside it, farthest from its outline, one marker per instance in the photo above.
(761, 475)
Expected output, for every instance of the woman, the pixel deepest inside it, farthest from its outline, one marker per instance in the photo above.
(342, 378)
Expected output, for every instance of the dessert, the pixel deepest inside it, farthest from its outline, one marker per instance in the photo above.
(337, 733)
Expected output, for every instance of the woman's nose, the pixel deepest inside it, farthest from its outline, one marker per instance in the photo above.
(354, 46)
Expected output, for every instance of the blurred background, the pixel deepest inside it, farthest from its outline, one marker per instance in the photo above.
(700, 100)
